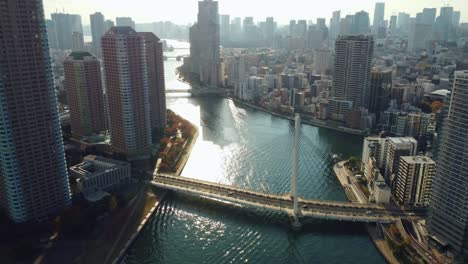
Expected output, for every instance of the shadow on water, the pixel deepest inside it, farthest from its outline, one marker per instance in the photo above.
(260, 217)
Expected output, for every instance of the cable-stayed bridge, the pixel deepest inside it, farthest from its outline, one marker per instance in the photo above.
(290, 202)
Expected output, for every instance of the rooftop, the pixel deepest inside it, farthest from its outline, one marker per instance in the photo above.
(126, 30)
(417, 160)
(80, 55)
(93, 165)
(400, 140)
(355, 37)
(441, 92)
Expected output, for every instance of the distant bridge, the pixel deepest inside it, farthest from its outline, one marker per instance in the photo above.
(178, 57)
(198, 91)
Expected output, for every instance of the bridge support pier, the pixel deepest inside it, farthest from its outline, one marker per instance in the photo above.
(295, 222)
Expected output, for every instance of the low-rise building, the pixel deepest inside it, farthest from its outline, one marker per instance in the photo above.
(382, 192)
(98, 174)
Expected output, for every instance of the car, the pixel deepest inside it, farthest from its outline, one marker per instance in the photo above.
(411, 214)
(230, 193)
(305, 206)
(369, 212)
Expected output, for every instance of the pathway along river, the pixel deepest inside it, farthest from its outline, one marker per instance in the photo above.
(251, 149)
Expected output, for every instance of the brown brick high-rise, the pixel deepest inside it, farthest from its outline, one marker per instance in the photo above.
(156, 82)
(84, 93)
(127, 92)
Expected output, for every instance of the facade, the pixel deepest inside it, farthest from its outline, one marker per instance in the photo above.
(96, 174)
(449, 213)
(98, 29)
(51, 33)
(419, 35)
(361, 23)
(335, 24)
(392, 29)
(379, 13)
(323, 60)
(125, 22)
(443, 28)
(237, 74)
(380, 89)
(156, 83)
(33, 173)
(225, 27)
(381, 192)
(456, 18)
(127, 92)
(413, 185)
(77, 41)
(85, 94)
(65, 25)
(269, 29)
(315, 37)
(403, 23)
(396, 148)
(109, 25)
(204, 43)
(429, 16)
(374, 147)
(351, 80)
(339, 109)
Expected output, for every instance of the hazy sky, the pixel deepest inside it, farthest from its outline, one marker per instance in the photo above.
(185, 11)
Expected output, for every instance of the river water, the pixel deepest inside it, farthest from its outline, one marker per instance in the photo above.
(251, 149)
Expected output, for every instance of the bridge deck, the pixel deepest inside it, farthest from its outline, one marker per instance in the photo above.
(344, 211)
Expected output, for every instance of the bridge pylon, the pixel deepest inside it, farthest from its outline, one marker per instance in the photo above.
(295, 172)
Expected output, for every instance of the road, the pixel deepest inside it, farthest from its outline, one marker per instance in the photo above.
(342, 173)
(314, 208)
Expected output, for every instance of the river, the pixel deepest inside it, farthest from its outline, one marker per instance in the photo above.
(252, 149)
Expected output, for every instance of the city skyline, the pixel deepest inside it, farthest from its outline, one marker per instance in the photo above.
(282, 12)
(341, 133)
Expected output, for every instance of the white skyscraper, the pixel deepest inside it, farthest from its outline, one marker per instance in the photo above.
(449, 210)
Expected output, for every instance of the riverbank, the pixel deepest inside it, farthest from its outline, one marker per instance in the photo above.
(308, 121)
(116, 231)
(186, 153)
(140, 227)
(180, 164)
(355, 195)
(316, 123)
